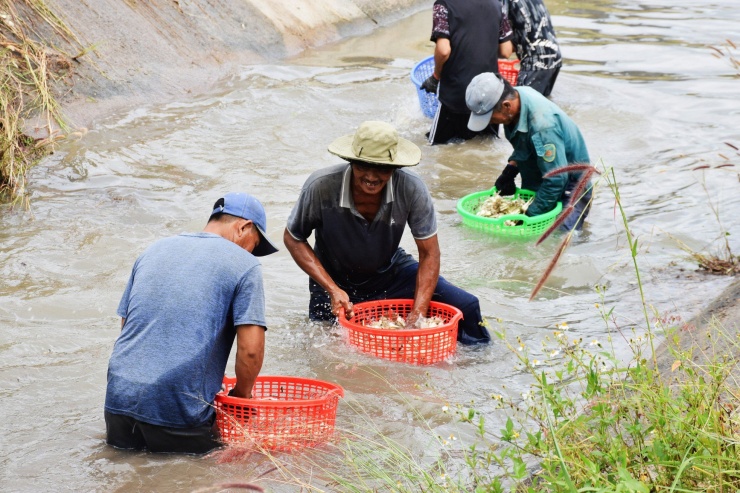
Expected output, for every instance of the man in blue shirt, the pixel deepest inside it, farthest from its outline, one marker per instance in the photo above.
(188, 297)
(544, 139)
(358, 213)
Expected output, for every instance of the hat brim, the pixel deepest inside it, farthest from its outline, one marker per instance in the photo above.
(407, 153)
(479, 122)
(266, 247)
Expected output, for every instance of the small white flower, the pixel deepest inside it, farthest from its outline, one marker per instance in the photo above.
(554, 353)
(535, 362)
(445, 409)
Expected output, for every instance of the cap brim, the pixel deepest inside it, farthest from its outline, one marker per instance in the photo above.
(266, 247)
(478, 122)
(407, 153)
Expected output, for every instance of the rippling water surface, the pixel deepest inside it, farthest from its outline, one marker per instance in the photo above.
(639, 79)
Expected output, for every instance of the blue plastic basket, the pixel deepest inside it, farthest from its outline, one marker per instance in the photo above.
(419, 74)
(509, 69)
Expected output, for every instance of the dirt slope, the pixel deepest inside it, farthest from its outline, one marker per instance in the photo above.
(143, 50)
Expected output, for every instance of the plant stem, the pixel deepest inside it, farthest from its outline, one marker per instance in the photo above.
(632, 241)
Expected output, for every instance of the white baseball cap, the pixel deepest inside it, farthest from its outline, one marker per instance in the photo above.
(482, 94)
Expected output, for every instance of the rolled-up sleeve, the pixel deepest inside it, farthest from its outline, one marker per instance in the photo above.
(440, 22)
(249, 299)
(122, 310)
(305, 216)
(422, 217)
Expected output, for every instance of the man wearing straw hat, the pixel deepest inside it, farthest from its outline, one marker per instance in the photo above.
(186, 300)
(358, 213)
(544, 139)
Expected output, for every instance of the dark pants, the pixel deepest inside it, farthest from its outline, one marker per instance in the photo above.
(541, 81)
(580, 211)
(125, 432)
(470, 329)
(448, 125)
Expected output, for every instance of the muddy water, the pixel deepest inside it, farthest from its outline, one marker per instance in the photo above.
(639, 80)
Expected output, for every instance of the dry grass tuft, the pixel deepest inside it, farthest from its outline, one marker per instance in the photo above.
(28, 69)
(715, 265)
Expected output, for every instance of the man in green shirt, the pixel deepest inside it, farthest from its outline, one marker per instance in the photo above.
(544, 139)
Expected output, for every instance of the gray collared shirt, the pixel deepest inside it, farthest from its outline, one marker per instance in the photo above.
(357, 253)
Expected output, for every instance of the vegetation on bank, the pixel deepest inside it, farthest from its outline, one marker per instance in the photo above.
(593, 419)
(29, 67)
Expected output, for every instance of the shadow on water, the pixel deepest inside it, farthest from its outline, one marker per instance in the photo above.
(640, 82)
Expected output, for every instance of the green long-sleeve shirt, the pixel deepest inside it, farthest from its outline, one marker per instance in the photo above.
(545, 138)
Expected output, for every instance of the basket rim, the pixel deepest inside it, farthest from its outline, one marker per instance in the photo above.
(413, 70)
(510, 64)
(527, 220)
(456, 316)
(333, 389)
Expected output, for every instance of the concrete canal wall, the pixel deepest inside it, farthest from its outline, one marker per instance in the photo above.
(143, 50)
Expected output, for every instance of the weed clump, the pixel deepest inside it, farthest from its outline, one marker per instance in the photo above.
(592, 419)
(28, 69)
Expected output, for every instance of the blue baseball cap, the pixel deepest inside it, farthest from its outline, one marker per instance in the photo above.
(247, 207)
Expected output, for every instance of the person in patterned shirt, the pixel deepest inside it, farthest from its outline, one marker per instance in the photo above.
(535, 44)
(469, 36)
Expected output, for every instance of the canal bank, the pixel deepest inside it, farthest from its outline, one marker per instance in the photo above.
(699, 335)
(124, 54)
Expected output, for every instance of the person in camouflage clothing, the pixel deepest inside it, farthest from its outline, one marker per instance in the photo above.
(535, 44)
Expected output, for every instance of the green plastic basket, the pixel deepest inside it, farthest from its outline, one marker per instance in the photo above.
(530, 227)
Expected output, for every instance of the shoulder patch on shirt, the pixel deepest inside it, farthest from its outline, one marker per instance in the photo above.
(549, 154)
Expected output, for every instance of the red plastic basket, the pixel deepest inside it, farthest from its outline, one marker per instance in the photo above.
(416, 346)
(509, 70)
(285, 413)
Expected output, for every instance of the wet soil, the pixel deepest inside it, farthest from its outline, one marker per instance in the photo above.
(711, 334)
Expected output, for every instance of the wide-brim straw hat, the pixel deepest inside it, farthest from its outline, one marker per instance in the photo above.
(377, 143)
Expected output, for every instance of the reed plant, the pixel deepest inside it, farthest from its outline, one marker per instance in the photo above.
(29, 67)
(590, 422)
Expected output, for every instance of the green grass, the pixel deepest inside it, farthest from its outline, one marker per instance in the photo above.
(592, 420)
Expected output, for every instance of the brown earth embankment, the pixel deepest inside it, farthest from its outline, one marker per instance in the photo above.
(700, 334)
